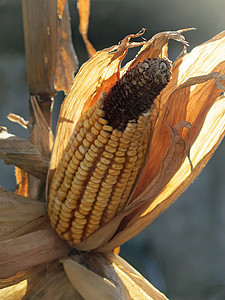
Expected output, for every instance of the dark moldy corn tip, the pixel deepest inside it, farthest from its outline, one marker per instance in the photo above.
(135, 92)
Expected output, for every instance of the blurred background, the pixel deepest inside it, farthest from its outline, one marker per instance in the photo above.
(183, 251)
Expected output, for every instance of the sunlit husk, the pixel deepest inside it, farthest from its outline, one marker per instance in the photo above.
(108, 277)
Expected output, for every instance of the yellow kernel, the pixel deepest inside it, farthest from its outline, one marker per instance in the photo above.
(98, 144)
(105, 161)
(60, 229)
(78, 139)
(97, 125)
(101, 166)
(75, 160)
(93, 221)
(64, 224)
(86, 124)
(94, 148)
(92, 153)
(111, 180)
(78, 215)
(83, 132)
(113, 143)
(105, 134)
(117, 166)
(113, 172)
(99, 112)
(93, 184)
(89, 158)
(67, 236)
(95, 180)
(102, 121)
(107, 185)
(119, 160)
(110, 149)
(86, 143)
(61, 195)
(90, 137)
(102, 139)
(107, 128)
(107, 154)
(94, 131)
(78, 155)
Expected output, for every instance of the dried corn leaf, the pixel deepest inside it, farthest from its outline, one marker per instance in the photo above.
(40, 16)
(21, 153)
(138, 287)
(38, 247)
(67, 62)
(84, 12)
(16, 291)
(179, 102)
(51, 283)
(16, 211)
(108, 277)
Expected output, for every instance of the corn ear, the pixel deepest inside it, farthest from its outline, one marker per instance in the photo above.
(104, 156)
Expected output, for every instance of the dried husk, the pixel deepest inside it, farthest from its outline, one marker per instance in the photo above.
(84, 12)
(21, 153)
(17, 211)
(108, 276)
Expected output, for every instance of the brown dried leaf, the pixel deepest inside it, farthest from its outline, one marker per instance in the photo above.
(108, 277)
(21, 153)
(84, 12)
(67, 62)
(40, 17)
(16, 211)
(38, 247)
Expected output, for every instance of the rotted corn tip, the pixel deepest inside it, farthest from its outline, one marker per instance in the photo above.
(106, 152)
(135, 92)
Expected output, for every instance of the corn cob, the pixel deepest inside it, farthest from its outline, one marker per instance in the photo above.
(100, 165)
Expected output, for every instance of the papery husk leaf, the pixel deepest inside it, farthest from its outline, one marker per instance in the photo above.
(136, 284)
(84, 12)
(67, 61)
(16, 291)
(16, 211)
(37, 247)
(21, 153)
(179, 101)
(205, 145)
(51, 283)
(47, 280)
(89, 284)
(108, 277)
(38, 224)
